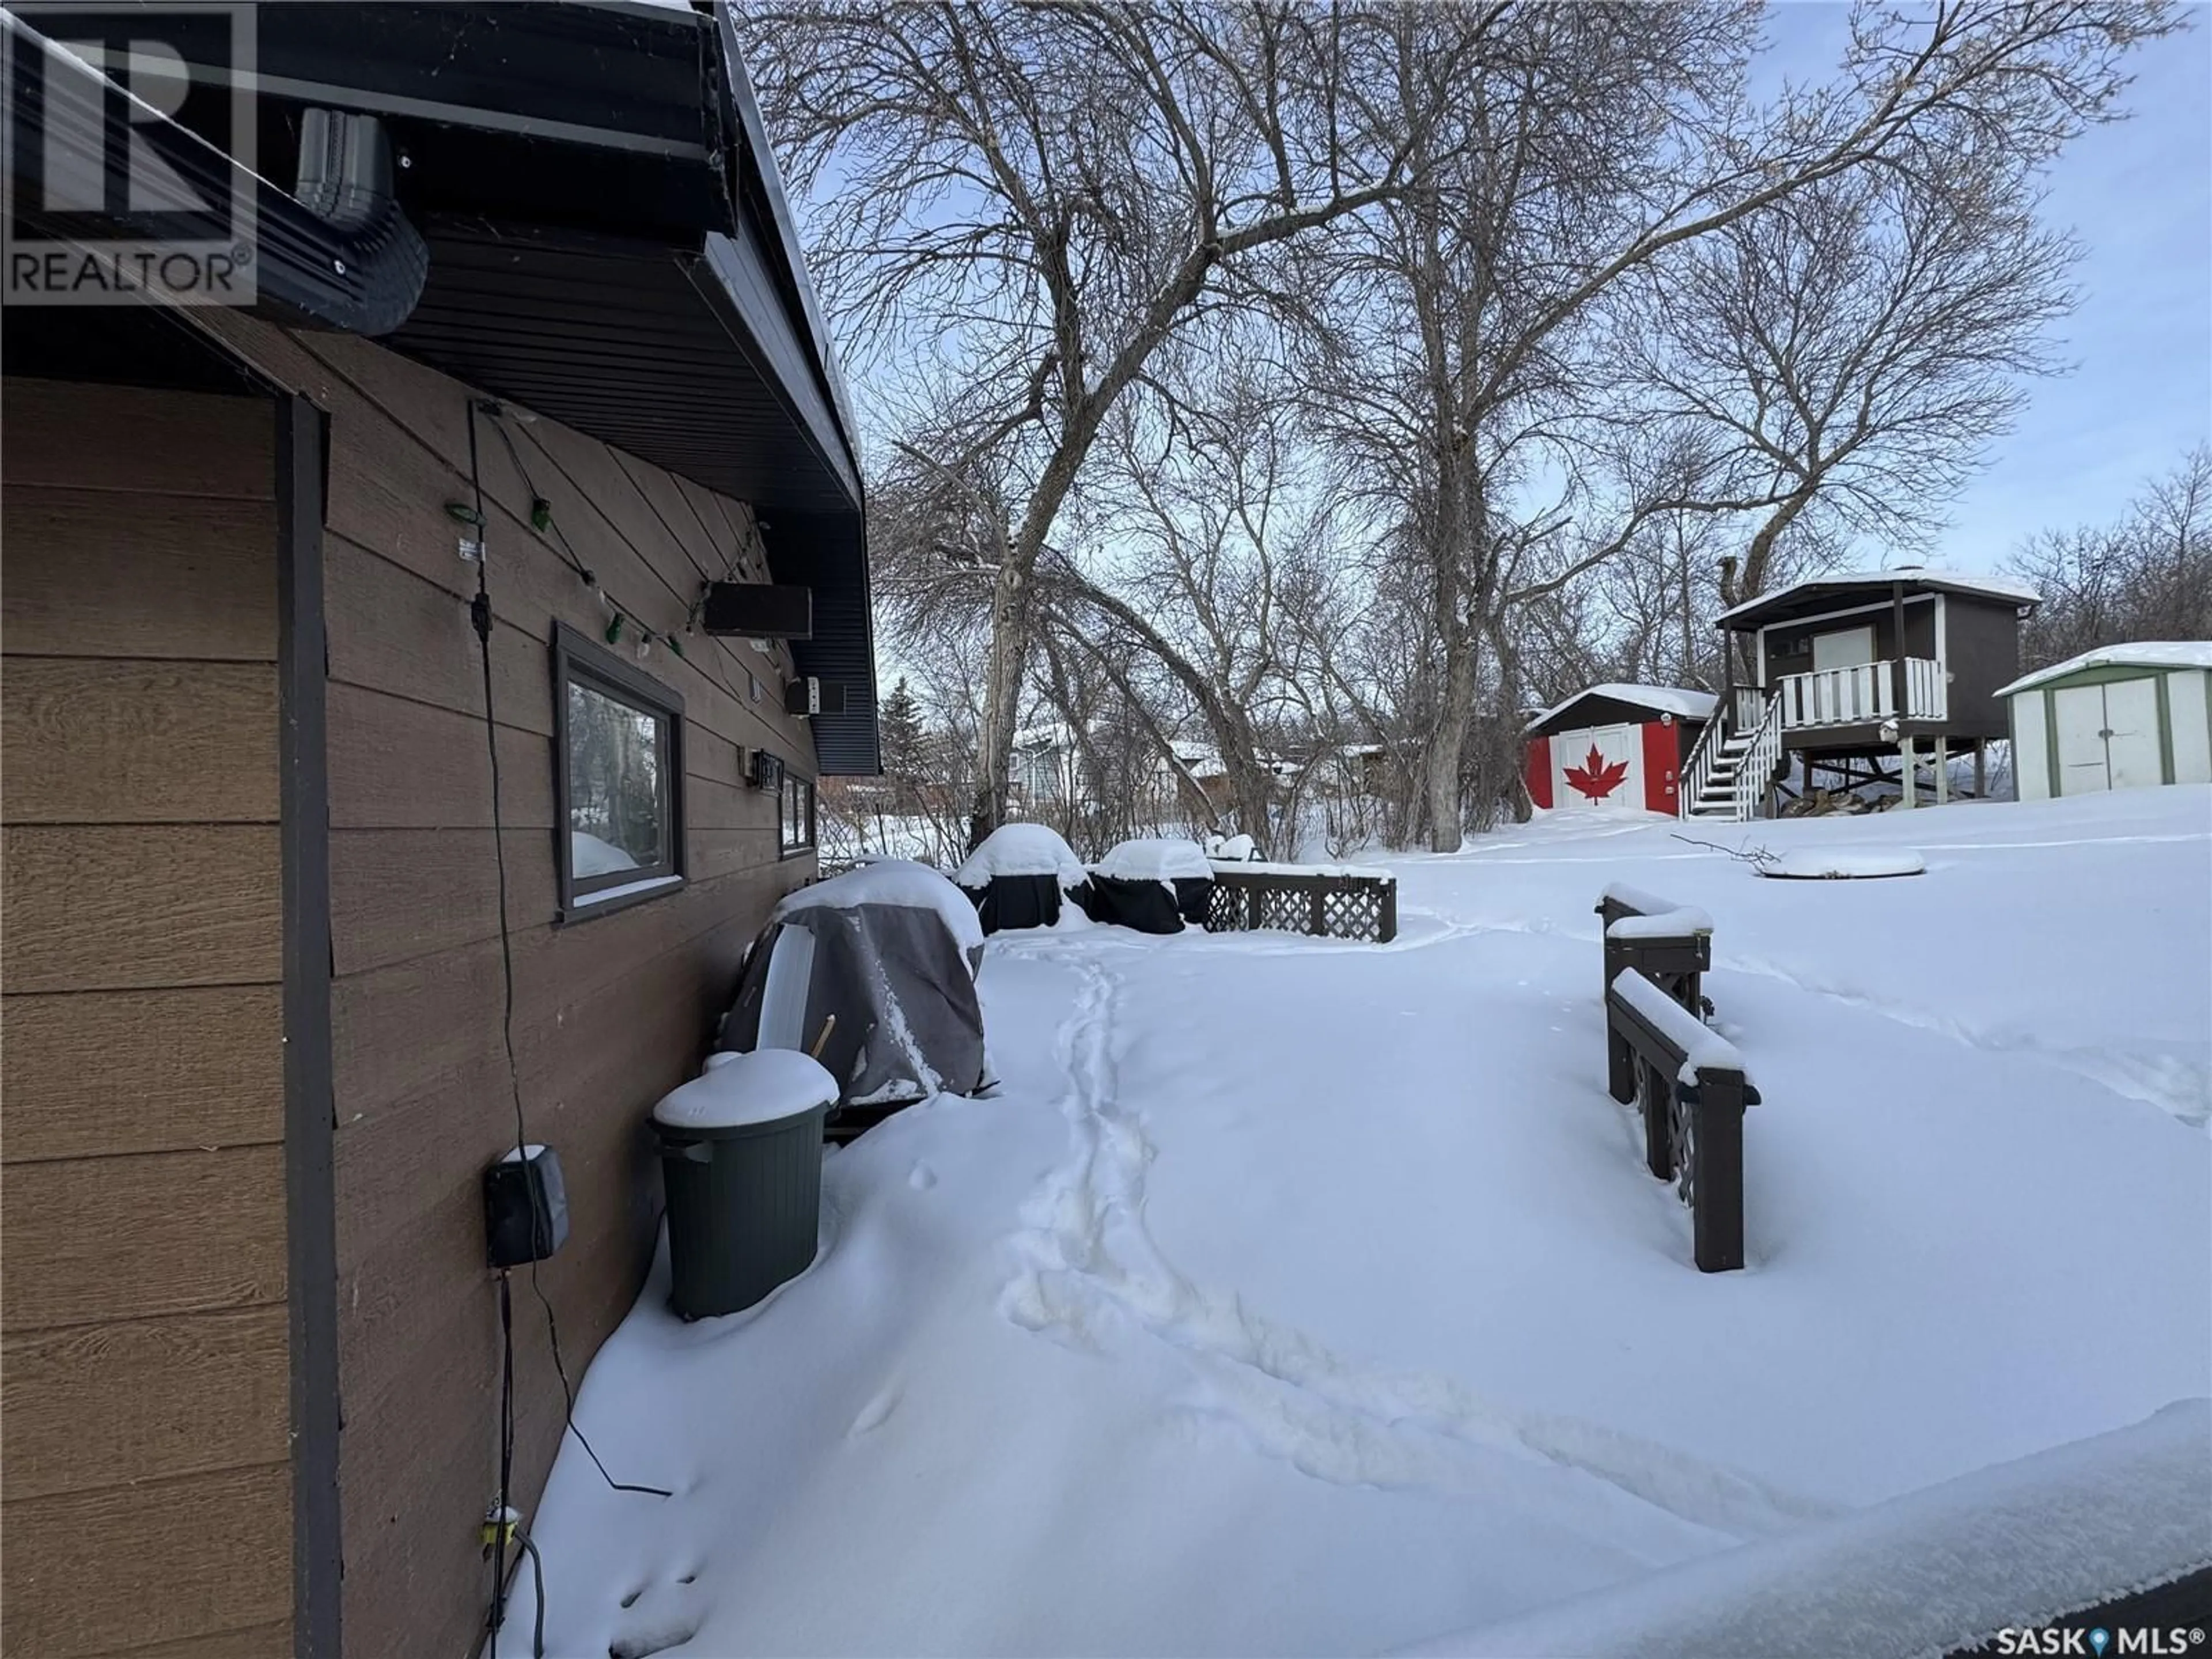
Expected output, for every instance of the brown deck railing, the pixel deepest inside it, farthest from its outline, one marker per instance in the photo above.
(1329, 903)
(1659, 1058)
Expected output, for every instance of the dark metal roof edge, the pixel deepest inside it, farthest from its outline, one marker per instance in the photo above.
(365, 281)
(1756, 613)
(706, 276)
(762, 159)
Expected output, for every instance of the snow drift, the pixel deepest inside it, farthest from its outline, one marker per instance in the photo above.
(1304, 1297)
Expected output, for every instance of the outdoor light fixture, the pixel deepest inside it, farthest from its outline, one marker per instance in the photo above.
(810, 696)
(759, 610)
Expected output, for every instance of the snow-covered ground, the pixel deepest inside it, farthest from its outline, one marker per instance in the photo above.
(1306, 1297)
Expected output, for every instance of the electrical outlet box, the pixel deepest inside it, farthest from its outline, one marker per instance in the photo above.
(526, 1207)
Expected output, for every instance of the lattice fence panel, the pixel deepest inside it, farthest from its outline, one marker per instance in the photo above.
(1225, 909)
(1333, 907)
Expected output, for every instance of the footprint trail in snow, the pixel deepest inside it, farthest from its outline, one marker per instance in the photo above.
(1090, 1261)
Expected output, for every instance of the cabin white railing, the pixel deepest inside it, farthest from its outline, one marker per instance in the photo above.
(1750, 706)
(1755, 766)
(1927, 689)
(1862, 694)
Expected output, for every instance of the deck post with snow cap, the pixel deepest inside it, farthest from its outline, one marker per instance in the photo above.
(1672, 944)
(1714, 1162)
(1687, 1080)
(1909, 748)
(1690, 1082)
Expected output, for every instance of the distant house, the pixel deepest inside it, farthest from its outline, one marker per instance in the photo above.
(531, 314)
(2121, 717)
(1193, 780)
(1046, 769)
(1849, 672)
(1051, 771)
(1615, 746)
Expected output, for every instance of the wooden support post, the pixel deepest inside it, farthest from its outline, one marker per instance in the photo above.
(1316, 910)
(1716, 1179)
(1388, 929)
(1909, 747)
(1898, 692)
(1726, 713)
(1981, 770)
(1942, 769)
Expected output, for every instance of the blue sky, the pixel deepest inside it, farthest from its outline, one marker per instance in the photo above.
(2139, 194)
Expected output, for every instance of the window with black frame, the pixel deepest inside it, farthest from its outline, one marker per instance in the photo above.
(619, 768)
(796, 831)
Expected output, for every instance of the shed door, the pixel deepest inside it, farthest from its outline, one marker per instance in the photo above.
(1847, 648)
(2082, 765)
(2131, 733)
(2108, 736)
(1598, 766)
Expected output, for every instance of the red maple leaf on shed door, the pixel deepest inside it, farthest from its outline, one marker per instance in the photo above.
(1594, 777)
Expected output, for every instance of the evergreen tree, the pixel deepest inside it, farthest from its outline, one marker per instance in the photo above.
(905, 757)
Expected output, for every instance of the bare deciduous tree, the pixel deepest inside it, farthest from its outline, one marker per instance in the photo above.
(1470, 332)
(2148, 576)
(1206, 511)
(1045, 194)
(1857, 345)
(1043, 228)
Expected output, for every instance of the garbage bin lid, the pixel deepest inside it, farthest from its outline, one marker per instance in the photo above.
(745, 1089)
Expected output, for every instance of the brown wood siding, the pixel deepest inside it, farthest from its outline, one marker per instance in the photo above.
(1981, 649)
(610, 1011)
(144, 1356)
(1919, 635)
(1983, 637)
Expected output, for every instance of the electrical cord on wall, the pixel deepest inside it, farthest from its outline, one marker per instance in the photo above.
(504, 1521)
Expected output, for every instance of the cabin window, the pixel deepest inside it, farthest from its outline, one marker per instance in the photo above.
(796, 832)
(618, 746)
(1846, 647)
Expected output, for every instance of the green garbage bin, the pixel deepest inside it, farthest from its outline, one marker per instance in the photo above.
(741, 1158)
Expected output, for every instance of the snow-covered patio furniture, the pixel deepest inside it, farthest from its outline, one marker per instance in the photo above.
(1329, 901)
(889, 952)
(1019, 876)
(1155, 886)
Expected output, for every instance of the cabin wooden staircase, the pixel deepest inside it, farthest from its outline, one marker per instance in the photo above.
(1728, 770)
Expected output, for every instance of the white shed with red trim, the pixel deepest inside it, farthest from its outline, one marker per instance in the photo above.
(1613, 746)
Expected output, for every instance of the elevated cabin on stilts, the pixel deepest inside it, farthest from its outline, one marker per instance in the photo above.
(1859, 677)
